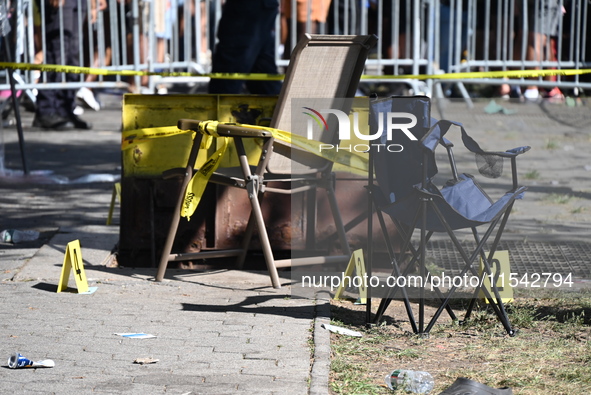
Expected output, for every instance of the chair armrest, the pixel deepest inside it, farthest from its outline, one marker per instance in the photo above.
(177, 172)
(518, 150)
(446, 143)
(436, 134)
(438, 129)
(511, 153)
(219, 129)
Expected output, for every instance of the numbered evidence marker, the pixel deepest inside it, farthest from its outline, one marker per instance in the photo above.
(501, 270)
(357, 264)
(73, 260)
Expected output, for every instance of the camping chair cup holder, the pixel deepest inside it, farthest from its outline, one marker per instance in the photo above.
(323, 67)
(405, 190)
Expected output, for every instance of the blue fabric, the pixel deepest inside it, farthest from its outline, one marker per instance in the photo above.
(466, 197)
(401, 187)
(397, 173)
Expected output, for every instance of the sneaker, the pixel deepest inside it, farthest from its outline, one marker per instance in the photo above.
(531, 94)
(80, 123)
(555, 96)
(87, 97)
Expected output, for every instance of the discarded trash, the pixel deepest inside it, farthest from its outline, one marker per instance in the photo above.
(17, 361)
(494, 108)
(90, 291)
(411, 381)
(18, 236)
(48, 177)
(342, 331)
(145, 361)
(34, 177)
(96, 178)
(136, 335)
(466, 386)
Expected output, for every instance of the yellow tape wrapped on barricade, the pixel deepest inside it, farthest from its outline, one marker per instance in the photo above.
(209, 129)
(278, 77)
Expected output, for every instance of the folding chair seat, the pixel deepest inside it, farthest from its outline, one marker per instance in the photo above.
(405, 188)
(323, 67)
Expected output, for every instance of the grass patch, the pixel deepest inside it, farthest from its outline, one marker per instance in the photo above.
(558, 198)
(551, 353)
(551, 145)
(532, 175)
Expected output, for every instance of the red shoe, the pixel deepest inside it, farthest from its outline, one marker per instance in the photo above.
(555, 96)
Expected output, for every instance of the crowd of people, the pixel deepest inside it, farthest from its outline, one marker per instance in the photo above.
(245, 36)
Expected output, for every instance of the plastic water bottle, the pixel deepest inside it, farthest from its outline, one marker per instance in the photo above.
(18, 236)
(410, 380)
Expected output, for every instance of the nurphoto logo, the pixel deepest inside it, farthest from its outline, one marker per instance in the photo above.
(396, 122)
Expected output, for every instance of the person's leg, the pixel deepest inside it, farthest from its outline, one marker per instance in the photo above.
(227, 59)
(46, 113)
(535, 45)
(239, 40)
(67, 97)
(265, 63)
(546, 23)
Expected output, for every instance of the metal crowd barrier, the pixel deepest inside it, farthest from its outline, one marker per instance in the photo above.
(416, 38)
(492, 35)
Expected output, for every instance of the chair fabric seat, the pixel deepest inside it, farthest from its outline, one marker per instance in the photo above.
(460, 212)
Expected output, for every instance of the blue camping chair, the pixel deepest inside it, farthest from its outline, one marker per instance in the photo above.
(404, 188)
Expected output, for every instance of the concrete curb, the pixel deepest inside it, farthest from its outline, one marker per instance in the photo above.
(321, 366)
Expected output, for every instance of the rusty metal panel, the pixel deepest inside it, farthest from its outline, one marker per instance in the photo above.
(221, 218)
(148, 200)
(232, 213)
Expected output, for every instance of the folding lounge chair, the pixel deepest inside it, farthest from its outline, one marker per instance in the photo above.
(406, 192)
(323, 67)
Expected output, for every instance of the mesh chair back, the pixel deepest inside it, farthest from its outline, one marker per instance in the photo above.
(322, 67)
(398, 172)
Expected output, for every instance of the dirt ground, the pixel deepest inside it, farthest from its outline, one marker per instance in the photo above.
(552, 339)
(548, 355)
(557, 169)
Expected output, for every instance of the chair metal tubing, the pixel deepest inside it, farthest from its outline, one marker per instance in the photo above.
(177, 210)
(500, 309)
(406, 245)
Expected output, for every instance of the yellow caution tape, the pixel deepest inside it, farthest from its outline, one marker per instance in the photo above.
(90, 70)
(197, 185)
(279, 77)
(345, 158)
(199, 181)
(485, 74)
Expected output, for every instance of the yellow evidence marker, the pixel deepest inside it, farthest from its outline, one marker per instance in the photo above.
(501, 271)
(357, 264)
(73, 259)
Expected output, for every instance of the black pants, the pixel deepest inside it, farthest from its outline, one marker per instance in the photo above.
(61, 101)
(246, 35)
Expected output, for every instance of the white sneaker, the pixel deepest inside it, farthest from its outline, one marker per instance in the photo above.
(78, 110)
(531, 94)
(87, 97)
